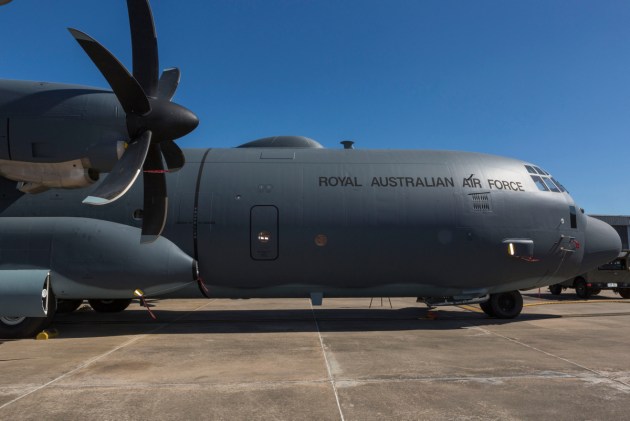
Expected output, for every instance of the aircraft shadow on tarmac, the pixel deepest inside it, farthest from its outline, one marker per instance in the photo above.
(136, 321)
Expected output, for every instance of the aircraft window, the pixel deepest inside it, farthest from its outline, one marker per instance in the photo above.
(539, 183)
(264, 236)
(560, 186)
(530, 169)
(544, 181)
(551, 185)
(573, 216)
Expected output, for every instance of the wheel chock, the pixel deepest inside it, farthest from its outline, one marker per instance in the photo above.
(47, 334)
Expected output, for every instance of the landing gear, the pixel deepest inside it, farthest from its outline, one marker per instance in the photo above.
(505, 305)
(24, 327)
(68, 306)
(555, 289)
(109, 306)
(487, 308)
(581, 289)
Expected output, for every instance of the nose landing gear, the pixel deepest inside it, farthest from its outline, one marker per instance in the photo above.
(504, 305)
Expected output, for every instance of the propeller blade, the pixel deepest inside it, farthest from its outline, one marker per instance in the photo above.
(125, 87)
(173, 155)
(155, 200)
(169, 81)
(123, 174)
(144, 45)
(152, 120)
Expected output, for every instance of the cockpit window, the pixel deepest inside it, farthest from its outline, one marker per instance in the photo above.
(541, 172)
(551, 185)
(544, 181)
(539, 183)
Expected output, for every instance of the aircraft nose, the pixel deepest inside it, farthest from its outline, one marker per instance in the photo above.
(601, 244)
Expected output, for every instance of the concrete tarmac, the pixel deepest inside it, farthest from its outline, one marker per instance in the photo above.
(279, 359)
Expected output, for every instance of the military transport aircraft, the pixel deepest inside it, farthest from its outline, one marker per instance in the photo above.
(276, 217)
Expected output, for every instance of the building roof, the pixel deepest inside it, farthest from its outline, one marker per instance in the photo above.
(623, 220)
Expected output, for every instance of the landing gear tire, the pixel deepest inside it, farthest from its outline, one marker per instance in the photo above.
(109, 306)
(506, 305)
(555, 289)
(487, 308)
(581, 289)
(24, 327)
(68, 306)
(624, 292)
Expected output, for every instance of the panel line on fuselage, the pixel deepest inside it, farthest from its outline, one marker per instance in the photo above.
(196, 205)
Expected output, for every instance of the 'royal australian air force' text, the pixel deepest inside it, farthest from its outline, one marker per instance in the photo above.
(419, 182)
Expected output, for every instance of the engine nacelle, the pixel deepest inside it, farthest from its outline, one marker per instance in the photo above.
(89, 258)
(58, 135)
(24, 292)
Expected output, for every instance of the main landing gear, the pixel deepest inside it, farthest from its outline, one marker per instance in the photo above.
(555, 289)
(68, 306)
(100, 306)
(504, 305)
(109, 306)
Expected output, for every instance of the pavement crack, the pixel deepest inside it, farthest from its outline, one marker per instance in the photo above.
(328, 368)
(598, 374)
(98, 358)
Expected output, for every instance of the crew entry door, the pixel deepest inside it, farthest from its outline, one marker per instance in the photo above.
(264, 233)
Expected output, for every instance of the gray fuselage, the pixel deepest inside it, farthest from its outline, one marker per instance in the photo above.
(290, 221)
(268, 221)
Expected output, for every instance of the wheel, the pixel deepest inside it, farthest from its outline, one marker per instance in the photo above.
(595, 291)
(624, 292)
(487, 308)
(581, 289)
(506, 305)
(68, 306)
(555, 289)
(24, 327)
(109, 306)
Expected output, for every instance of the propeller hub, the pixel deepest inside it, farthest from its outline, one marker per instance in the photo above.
(167, 120)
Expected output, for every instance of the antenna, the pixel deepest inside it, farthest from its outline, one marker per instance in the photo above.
(347, 144)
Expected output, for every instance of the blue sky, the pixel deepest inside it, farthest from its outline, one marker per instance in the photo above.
(544, 81)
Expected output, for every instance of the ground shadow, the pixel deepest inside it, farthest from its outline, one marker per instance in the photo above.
(137, 321)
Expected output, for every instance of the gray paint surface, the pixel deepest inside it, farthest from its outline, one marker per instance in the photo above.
(396, 222)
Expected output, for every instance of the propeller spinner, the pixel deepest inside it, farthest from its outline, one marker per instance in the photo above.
(153, 121)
